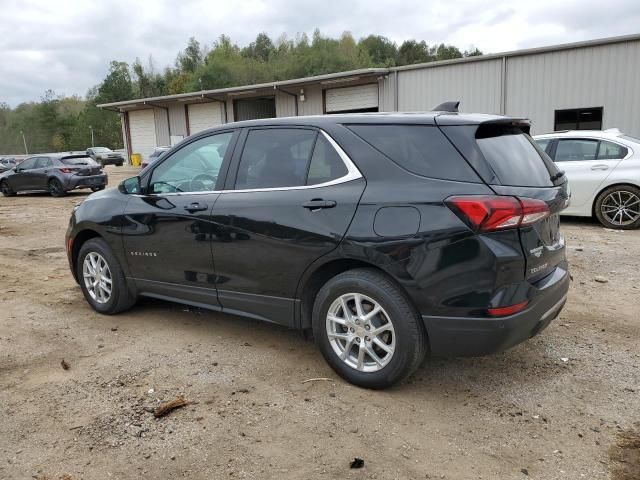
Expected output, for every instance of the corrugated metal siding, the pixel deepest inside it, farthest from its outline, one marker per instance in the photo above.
(475, 84)
(162, 126)
(177, 120)
(312, 104)
(601, 76)
(387, 93)
(285, 105)
(230, 117)
(204, 115)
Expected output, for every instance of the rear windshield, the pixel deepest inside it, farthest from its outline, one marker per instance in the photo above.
(420, 149)
(514, 157)
(78, 161)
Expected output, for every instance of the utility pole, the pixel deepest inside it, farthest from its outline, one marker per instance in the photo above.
(26, 152)
(93, 143)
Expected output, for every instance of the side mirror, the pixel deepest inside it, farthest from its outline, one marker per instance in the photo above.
(130, 186)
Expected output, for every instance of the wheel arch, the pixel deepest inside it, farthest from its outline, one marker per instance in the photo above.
(78, 240)
(315, 280)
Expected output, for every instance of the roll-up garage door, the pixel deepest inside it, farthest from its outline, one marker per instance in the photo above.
(203, 116)
(143, 132)
(352, 99)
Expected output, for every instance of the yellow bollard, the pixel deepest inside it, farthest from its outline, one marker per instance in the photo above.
(136, 159)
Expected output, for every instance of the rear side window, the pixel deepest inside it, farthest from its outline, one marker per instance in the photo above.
(572, 150)
(420, 149)
(543, 143)
(611, 151)
(514, 157)
(326, 164)
(275, 157)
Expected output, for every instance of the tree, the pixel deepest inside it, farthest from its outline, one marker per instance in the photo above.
(191, 58)
(411, 52)
(381, 50)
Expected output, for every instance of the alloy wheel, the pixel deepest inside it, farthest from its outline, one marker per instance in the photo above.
(621, 207)
(97, 277)
(360, 332)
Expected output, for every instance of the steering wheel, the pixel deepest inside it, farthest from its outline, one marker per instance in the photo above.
(203, 182)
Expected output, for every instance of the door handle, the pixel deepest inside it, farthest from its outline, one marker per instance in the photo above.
(318, 203)
(195, 207)
(600, 167)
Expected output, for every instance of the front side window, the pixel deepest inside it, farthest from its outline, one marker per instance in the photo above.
(193, 168)
(275, 157)
(43, 162)
(611, 151)
(574, 150)
(28, 164)
(543, 143)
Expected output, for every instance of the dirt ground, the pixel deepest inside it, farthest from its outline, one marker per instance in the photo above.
(564, 405)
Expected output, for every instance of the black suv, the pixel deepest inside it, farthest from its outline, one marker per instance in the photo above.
(387, 235)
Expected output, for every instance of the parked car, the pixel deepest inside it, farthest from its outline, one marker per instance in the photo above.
(105, 156)
(157, 153)
(603, 169)
(55, 173)
(388, 236)
(7, 163)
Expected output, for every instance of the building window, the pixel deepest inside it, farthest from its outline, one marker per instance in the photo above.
(578, 119)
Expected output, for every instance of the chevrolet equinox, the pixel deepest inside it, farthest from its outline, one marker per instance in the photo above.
(389, 236)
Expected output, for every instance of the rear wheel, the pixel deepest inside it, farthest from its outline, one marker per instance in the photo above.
(619, 207)
(55, 187)
(119, 164)
(97, 189)
(6, 189)
(102, 280)
(367, 329)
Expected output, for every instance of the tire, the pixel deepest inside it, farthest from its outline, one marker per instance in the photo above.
(6, 189)
(406, 339)
(618, 207)
(97, 189)
(55, 188)
(121, 298)
(119, 164)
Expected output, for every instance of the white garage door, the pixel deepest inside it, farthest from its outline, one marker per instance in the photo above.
(352, 98)
(143, 132)
(203, 116)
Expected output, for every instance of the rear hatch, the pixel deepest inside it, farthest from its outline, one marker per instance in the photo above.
(81, 165)
(511, 163)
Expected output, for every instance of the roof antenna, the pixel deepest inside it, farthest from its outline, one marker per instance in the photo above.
(447, 107)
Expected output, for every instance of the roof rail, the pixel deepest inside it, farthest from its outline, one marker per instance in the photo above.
(447, 107)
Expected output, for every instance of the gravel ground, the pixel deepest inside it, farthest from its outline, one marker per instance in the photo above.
(563, 405)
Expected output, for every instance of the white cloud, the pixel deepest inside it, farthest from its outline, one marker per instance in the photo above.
(67, 45)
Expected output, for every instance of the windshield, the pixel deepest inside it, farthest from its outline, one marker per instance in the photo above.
(78, 161)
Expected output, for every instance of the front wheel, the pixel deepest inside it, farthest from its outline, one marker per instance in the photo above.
(55, 187)
(6, 189)
(619, 207)
(102, 280)
(97, 189)
(367, 329)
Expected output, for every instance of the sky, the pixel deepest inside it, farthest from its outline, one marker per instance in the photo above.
(67, 45)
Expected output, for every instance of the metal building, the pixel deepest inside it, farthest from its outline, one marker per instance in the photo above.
(585, 85)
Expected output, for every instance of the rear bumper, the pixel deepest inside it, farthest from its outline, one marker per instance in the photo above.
(86, 182)
(458, 336)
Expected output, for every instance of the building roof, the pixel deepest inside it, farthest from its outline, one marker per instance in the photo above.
(354, 75)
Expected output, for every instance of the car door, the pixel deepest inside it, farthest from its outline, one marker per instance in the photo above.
(23, 179)
(587, 162)
(289, 198)
(167, 230)
(40, 173)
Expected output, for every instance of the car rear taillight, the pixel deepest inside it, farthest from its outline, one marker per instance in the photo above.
(488, 213)
(510, 310)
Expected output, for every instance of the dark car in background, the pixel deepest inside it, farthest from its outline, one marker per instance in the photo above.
(54, 173)
(7, 163)
(157, 153)
(105, 156)
(389, 236)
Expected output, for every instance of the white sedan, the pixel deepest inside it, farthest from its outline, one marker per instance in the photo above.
(603, 169)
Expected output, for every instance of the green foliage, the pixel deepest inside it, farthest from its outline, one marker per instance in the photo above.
(58, 123)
